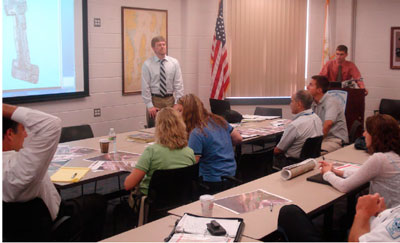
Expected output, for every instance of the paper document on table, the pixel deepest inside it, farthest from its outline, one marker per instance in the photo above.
(193, 228)
(69, 174)
(254, 118)
(251, 201)
(198, 225)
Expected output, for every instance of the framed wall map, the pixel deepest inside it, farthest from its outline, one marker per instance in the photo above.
(139, 26)
(395, 48)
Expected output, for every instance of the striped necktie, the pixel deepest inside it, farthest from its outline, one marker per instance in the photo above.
(163, 86)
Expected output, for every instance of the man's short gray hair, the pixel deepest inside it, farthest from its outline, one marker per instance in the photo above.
(157, 39)
(305, 98)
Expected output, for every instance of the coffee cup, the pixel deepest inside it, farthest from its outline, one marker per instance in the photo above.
(207, 205)
(104, 144)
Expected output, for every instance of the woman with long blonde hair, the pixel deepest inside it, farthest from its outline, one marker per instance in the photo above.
(169, 152)
(212, 139)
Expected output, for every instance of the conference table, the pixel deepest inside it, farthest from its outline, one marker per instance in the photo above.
(123, 145)
(310, 196)
(155, 231)
(348, 154)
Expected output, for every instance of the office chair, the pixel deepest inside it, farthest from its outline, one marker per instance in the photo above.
(311, 149)
(31, 221)
(355, 131)
(76, 133)
(168, 189)
(266, 111)
(390, 107)
(223, 108)
(254, 165)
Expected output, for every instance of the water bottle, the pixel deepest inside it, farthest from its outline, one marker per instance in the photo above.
(113, 139)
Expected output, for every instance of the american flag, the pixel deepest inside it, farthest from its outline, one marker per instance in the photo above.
(219, 58)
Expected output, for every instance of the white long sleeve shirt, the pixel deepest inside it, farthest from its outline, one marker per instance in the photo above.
(382, 170)
(151, 78)
(25, 172)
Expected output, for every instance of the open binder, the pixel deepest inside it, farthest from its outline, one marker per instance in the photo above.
(192, 228)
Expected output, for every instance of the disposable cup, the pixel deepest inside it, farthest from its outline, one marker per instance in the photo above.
(104, 144)
(207, 205)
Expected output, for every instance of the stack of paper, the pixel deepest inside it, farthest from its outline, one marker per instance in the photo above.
(142, 137)
(69, 174)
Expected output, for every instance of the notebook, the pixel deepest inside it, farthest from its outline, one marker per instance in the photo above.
(69, 174)
(318, 178)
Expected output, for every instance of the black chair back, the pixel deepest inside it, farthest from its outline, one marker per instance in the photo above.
(355, 131)
(171, 188)
(26, 221)
(390, 107)
(219, 107)
(75, 133)
(311, 148)
(266, 111)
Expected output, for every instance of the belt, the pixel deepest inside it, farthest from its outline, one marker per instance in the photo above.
(161, 96)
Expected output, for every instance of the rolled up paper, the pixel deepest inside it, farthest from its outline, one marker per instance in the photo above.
(292, 171)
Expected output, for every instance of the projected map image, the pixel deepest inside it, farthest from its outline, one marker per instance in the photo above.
(32, 45)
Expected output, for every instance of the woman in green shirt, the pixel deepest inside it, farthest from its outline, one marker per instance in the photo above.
(169, 152)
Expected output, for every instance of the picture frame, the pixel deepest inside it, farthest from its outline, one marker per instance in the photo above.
(139, 26)
(395, 48)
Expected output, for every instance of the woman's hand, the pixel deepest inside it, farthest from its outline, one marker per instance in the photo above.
(325, 166)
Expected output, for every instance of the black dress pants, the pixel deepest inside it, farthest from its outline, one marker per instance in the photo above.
(296, 226)
(87, 218)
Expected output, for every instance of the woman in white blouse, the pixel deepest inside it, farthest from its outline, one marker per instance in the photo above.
(382, 169)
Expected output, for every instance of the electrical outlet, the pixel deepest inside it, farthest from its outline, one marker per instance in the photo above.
(97, 112)
(97, 22)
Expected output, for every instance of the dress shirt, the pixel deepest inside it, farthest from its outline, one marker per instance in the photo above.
(25, 172)
(151, 78)
(305, 124)
(329, 108)
(349, 71)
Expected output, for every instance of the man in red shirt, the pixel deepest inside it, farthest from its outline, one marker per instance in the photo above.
(339, 70)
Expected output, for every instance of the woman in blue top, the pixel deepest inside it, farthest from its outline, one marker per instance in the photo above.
(212, 140)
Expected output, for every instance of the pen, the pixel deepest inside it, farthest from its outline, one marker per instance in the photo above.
(271, 206)
(73, 176)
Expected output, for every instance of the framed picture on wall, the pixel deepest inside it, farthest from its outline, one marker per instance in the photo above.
(395, 48)
(139, 26)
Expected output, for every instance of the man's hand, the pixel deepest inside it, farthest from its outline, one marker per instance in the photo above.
(370, 205)
(153, 112)
(366, 92)
(8, 110)
(367, 206)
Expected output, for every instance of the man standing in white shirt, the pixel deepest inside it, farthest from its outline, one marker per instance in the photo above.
(162, 83)
(305, 124)
(30, 139)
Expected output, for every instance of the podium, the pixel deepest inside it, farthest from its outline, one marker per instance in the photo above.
(355, 107)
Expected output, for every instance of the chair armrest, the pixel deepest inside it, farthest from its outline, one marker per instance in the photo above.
(233, 179)
(59, 222)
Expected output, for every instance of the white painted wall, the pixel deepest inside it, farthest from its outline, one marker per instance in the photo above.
(371, 37)
(191, 25)
(372, 52)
